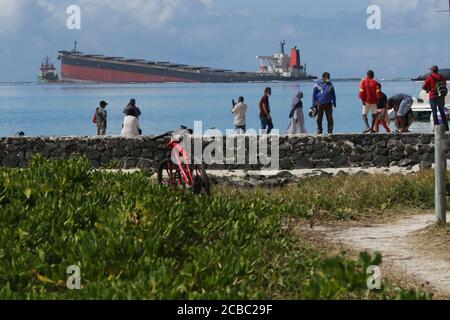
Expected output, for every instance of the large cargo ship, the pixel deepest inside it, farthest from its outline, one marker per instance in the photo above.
(79, 67)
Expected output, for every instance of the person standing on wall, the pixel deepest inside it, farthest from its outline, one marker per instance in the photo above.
(297, 124)
(436, 86)
(264, 115)
(383, 114)
(101, 118)
(240, 110)
(134, 109)
(369, 93)
(324, 98)
(131, 127)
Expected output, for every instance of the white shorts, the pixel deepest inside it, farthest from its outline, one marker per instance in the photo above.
(370, 107)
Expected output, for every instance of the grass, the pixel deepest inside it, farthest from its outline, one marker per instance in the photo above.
(133, 239)
(346, 197)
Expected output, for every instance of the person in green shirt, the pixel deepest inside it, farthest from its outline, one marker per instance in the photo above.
(101, 118)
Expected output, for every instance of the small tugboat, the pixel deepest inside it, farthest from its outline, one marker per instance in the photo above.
(48, 71)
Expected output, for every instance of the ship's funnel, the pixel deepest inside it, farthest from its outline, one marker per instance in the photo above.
(295, 58)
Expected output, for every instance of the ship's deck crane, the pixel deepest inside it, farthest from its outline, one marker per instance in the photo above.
(283, 44)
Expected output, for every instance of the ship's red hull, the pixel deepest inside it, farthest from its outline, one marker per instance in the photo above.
(81, 73)
(76, 66)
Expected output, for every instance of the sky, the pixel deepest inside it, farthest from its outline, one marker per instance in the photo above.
(332, 35)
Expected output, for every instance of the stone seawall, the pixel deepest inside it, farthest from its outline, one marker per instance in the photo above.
(295, 152)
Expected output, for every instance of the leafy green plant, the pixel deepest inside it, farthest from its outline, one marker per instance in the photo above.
(348, 197)
(133, 239)
(113, 164)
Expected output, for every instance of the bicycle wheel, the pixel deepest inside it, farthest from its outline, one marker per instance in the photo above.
(168, 174)
(202, 185)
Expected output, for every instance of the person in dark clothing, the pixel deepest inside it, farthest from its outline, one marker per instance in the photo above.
(264, 112)
(383, 113)
(436, 86)
(132, 110)
(324, 98)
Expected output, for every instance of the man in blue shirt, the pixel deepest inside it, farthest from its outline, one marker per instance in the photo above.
(402, 105)
(324, 98)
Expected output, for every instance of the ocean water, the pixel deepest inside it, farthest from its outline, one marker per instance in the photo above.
(67, 109)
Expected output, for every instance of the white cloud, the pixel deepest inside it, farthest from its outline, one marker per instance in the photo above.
(47, 5)
(208, 3)
(149, 13)
(423, 13)
(396, 6)
(10, 15)
(13, 12)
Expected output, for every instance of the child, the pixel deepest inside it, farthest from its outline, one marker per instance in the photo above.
(383, 114)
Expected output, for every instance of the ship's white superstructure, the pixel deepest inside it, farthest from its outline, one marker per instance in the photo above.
(282, 64)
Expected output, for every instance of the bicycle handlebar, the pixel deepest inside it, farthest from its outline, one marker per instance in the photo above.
(169, 133)
(162, 136)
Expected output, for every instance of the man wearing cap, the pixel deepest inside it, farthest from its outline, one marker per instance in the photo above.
(436, 86)
(101, 118)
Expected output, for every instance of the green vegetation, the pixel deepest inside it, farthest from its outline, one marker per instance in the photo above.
(347, 197)
(133, 239)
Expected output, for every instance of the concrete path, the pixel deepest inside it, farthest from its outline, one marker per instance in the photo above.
(396, 244)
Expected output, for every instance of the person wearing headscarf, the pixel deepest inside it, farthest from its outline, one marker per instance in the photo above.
(297, 125)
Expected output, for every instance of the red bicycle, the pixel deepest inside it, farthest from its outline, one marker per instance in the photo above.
(177, 171)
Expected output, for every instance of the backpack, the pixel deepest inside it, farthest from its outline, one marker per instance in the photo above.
(441, 88)
(94, 119)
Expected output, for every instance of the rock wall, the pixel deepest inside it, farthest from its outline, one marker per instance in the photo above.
(295, 152)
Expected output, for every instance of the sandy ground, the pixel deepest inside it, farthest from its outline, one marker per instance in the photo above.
(398, 243)
(306, 172)
(301, 172)
(414, 252)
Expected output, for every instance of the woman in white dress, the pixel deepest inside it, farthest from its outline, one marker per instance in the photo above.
(297, 125)
(131, 128)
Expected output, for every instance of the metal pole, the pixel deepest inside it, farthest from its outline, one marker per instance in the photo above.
(441, 174)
